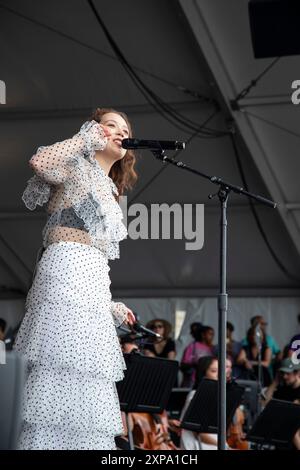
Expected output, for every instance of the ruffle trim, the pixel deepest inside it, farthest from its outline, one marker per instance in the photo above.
(119, 312)
(72, 400)
(102, 221)
(77, 354)
(45, 437)
(37, 192)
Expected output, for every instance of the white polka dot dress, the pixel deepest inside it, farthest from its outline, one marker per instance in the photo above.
(68, 332)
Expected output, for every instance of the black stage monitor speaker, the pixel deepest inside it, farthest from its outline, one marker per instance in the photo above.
(275, 27)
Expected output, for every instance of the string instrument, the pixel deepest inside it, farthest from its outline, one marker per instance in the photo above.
(150, 431)
(235, 437)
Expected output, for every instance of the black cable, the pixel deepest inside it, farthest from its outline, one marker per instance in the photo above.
(193, 93)
(181, 88)
(157, 102)
(163, 168)
(149, 95)
(256, 217)
(235, 102)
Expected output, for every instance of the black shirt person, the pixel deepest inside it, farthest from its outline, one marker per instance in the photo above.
(161, 347)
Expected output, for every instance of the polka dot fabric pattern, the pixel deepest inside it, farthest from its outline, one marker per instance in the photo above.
(58, 437)
(81, 198)
(69, 338)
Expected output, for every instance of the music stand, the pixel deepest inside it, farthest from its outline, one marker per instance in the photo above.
(146, 386)
(277, 424)
(176, 402)
(202, 413)
(250, 399)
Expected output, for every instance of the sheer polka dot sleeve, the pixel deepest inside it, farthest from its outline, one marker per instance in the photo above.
(51, 163)
(119, 312)
(81, 198)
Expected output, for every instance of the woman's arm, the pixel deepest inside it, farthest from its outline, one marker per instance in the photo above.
(266, 360)
(296, 440)
(122, 314)
(208, 439)
(51, 162)
(148, 353)
(170, 349)
(242, 360)
(271, 389)
(171, 355)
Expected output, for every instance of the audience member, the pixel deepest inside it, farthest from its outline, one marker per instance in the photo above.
(202, 345)
(160, 347)
(2, 329)
(286, 386)
(233, 351)
(249, 357)
(128, 344)
(207, 367)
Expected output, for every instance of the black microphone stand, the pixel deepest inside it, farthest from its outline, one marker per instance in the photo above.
(258, 339)
(224, 190)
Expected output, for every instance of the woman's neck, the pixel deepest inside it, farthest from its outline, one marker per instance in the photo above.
(104, 161)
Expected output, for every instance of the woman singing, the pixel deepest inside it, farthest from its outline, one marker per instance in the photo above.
(68, 333)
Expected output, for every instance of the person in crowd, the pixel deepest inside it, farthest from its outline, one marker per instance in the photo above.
(202, 345)
(160, 347)
(276, 353)
(194, 327)
(293, 344)
(2, 329)
(207, 367)
(208, 334)
(249, 356)
(286, 386)
(128, 344)
(233, 350)
(229, 369)
(233, 347)
(296, 337)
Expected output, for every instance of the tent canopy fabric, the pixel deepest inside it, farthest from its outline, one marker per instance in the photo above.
(58, 66)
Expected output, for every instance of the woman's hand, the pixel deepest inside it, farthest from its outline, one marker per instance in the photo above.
(106, 130)
(130, 318)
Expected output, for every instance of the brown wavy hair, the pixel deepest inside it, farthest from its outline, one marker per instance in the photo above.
(167, 326)
(122, 172)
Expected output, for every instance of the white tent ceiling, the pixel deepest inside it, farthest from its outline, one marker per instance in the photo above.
(58, 65)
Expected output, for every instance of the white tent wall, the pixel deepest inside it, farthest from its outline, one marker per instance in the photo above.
(280, 313)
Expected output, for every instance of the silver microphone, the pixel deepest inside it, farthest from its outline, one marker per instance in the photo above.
(258, 336)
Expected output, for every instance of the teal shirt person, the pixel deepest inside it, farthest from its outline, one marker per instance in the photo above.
(271, 343)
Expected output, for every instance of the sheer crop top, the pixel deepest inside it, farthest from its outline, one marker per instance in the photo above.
(80, 197)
